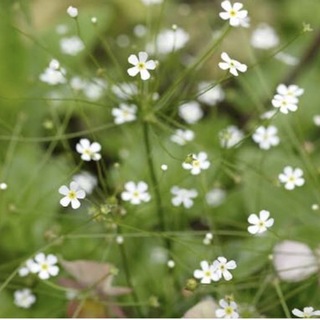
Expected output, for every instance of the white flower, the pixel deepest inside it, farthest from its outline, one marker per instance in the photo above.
(215, 197)
(206, 274)
(260, 223)
(25, 269)
(292, 90)
(72, 12)
(190, 112)
(181, 137)
(136, 192)
(77, 83)
(221, 268)
(94, 90)
(287, 58)
(210, 96)
(125, 113)
(171, 264)
(196, 163)
(294, 261)
(89, 151)
(268, 114)
(151, 2)
(285, 103)
(291, 178)
(71, 46)
(71, 195)
(307, 312)
(233, 13)
(264, 37)
(141, 65)
(45, 266)
(183, 196)
(164, 167)
(24, 298)
(54, 74)
(168, 41)
(86, 181)
(266, 137)
(124, 90)
(228, 310)
(3, 186)
(230, 137)
(208, 238)
(232, 65)
(316, 120)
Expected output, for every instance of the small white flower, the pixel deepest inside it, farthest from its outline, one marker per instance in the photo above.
(316, 120)
(136, 192)
(291, 178)
(3, 186)
(268, 114)
(183, 196)
(190, 112)
(89, 151)
(292, 90)
(45, 266)
(285, 103)
(208, 238)
(54, 74)
(181, 137)
(141, 65)
(206, 274)
(119, 240)
(294, 261)
(233, 13)
(228, 310)
(196, 163)
(264, 37)
(287, 58)
(125, 113)
(125, 91)
(260, 223)
(215, 197)
(94, 20)
(210, 96)
(164, 167)
(230, 137)
(232, 65)
(308, 312)
(266, 137)
(171, 264)
(151, 2)
(77, 83)
(71, 46)
(86, 181)
(221, 267)
(24, 298)
(71, 195)
(168, 41)
(25, 269)
(94, 90)
(72, 12)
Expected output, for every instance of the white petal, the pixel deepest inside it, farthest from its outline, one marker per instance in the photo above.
(224, 65)
(237, 6)
(151, 65)
(54, 270)
(264, 215)
(198, 274)
(80, 194)
(143, 56)
(75, 204)
(227, 275)
(95, 147)
(225, 57)
(145, 74)
(226, 5)
(65, 201)
(133, 59)
(52, 259)
(231, 264)
(133, 71)
(253, 229)
(64, 190)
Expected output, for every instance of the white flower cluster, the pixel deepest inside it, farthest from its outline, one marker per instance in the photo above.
(287, 98)
(42, 265)
(54, 74)
(216, 271)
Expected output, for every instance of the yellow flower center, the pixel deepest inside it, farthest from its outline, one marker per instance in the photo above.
(141, 66)
(72, 195)
(233, 13)
(228, 310)
(44, 266)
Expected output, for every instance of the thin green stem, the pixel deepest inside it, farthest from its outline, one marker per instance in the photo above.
(281, 297)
